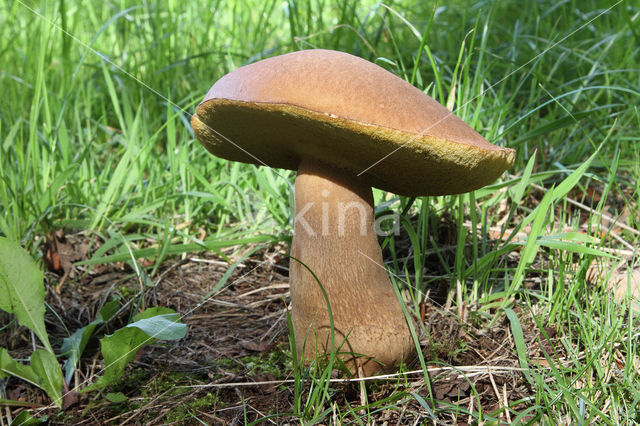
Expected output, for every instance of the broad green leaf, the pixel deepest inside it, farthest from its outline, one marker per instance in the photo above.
(119, 348)
(10, 366)
(152, 312)
(46, 366)
(24, 418)
(108, 311)
(116, 397)
(74, 345)
(162, 327)
(22, 288)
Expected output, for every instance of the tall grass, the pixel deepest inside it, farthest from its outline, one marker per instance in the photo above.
(95, 136)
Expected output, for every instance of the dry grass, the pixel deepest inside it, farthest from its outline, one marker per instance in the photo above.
(236, 350)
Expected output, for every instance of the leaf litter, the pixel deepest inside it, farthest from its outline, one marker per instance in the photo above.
(231, 337)
(235, 355)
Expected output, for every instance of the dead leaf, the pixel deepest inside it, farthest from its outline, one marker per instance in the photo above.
(542, 362)
(266, 388)
(622, 281)
(16, 393)
(145, 263)
(451, 389)
(60, 251)
(69, 399)
(440, 390)
(66, 252)
(627, 283)
(51, 257)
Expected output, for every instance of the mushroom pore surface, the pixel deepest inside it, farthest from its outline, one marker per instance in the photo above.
(334, 236)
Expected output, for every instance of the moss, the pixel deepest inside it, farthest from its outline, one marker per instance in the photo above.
(140, 382)
(126, 292)
(172, 382)
(131, 380)
(450, 350)
(227, 364)
(145, 383)
(210, 402)
(277, 362)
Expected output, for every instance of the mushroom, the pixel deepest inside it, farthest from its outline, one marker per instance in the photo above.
(346, 125)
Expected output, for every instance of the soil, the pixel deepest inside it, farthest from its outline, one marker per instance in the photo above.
(235, 366)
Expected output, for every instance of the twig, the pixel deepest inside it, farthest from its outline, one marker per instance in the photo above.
(497, 392)
(257, 290)
(214, 262)
(471, 370)
(506, 403)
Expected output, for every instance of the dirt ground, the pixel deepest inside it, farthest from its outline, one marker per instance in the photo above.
(235, 366)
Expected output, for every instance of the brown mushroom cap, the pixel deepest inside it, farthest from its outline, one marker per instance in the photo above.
(345, 111)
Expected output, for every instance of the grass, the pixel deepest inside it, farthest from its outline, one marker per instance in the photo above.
(95, 136)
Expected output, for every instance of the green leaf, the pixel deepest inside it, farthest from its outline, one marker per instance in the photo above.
(10, 366)
(46, 366)
(49, 197)
(571, 247)
(424, 405)
(575, 236)
(22, 288)
(74, 345)
(518, 339)
(555, 125)
(152, 312)
(13, 403)
(118, 349)
(24, 418)
(116, 397)
(539, 216)
(211, 244)
(163, 327)
(121, 347)
(518, 190)
(79, 339)
(570, 181)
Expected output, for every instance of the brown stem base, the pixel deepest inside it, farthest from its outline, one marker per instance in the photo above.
(334, 236)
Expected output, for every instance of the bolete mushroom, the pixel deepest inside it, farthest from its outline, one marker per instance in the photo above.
(345, 124)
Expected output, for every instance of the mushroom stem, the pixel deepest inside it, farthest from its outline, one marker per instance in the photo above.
(334, 235)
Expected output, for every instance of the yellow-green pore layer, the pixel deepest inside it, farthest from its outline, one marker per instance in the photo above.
(279, 110)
